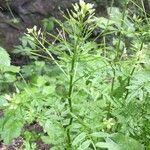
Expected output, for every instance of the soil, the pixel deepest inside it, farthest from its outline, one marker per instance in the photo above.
(18, 142)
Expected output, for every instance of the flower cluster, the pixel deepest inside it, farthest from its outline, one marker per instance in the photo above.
(83, 9)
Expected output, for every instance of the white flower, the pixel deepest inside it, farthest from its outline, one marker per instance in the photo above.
(29, 30)
(35, 28)
(76, 7)
(82, 3)
(39, 32)
(86, 6)
(108, 122)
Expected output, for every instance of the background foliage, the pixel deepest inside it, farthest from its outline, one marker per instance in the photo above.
(85, 92)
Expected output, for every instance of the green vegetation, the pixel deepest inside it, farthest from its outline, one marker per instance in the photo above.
(87, 93)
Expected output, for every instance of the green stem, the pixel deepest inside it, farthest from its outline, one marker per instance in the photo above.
(111, 92)
(113, 80)
(116, 58)
(71, 80)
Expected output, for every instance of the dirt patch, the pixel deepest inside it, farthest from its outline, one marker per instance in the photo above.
(18, 142)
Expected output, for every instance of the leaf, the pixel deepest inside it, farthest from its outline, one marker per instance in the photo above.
(79, 138)
(105, 23)
(84, 145)
(3, 101)
(100, 134)
(24, 41)
(116, 17)
(12, 69)
(109, 144)
(127, 143)
(4, 57)
(11, 129)
(41, 81)
(119, 91)
(61, 90)
(48, 23)
(46, 139)
(120, 142)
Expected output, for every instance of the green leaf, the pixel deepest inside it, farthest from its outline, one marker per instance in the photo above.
(84, 145)
(109, 144)
(100, 134)
(127, 143)
(120, 142)
(24, 41)
(4, 57)
(3, 101)
(41, 81)
(48, 23)
(119, 91)
(79, 138)
(105, 23)
(46, 139)
(11, 130)
(61, 90)
(12, 69)
(116, 17)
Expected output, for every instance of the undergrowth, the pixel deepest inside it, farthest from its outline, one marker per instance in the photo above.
(89, 93)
